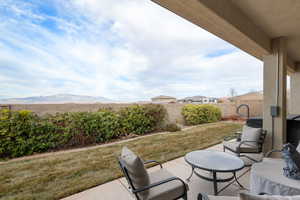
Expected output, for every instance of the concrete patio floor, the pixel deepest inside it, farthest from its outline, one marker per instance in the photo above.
(118, 189)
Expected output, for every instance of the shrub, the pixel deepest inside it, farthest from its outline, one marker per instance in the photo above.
(199, 114)
(157, 115)
(172, 127)
(141, 119)
(23, 133)
(102, 126)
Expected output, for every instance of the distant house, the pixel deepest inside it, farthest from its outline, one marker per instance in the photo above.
(163, 99)
(199, 100)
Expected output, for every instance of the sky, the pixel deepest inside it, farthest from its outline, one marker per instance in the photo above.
(126, 50)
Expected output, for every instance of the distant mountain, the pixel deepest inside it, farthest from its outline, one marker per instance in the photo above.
(58, 98)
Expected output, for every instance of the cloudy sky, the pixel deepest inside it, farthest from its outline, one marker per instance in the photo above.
(120, 49)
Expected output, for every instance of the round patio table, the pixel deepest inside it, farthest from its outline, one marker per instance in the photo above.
(214, 162)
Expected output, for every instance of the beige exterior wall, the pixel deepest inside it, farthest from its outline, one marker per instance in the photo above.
(295, 93)
(173, 109)
(250, 96)
(275, 74)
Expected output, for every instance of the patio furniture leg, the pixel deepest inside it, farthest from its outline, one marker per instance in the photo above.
(189, 178)
(215, 183)
(241, 186)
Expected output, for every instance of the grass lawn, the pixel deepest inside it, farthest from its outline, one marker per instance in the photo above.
(57, 176)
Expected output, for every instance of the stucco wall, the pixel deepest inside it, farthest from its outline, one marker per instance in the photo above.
(295, 93)
(173, 109)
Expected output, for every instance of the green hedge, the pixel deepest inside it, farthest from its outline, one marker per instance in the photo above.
(199, 114)
(141, 119)
(102, 125)
(24, 133)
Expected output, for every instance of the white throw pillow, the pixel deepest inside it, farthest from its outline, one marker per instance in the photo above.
(251, 134)
(247, 196)
(298, 147)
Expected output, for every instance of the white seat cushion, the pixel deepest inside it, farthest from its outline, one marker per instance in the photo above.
(243, 148)
(169, 190)
(251, 134)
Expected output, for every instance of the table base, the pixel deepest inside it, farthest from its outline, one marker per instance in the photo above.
(216, 180)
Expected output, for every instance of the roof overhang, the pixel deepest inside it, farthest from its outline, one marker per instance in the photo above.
(247, 24)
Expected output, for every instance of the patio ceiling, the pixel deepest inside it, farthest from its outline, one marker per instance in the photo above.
(248, 24)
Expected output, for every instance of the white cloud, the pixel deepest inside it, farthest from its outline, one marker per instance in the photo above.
(119, 49)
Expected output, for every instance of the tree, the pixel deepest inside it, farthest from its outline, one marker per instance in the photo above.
(232, 93)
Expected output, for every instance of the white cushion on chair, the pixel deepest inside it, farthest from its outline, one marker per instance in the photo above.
(251, 134)
(243, 148)
(170, 190)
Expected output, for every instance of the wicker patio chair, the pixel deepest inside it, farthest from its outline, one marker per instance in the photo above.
(162, 184)
(243, 146)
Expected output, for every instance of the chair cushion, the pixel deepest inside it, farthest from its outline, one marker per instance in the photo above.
(170, 190)
(243, 148)
(251, 134)
(136, 170)
(248, 196)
